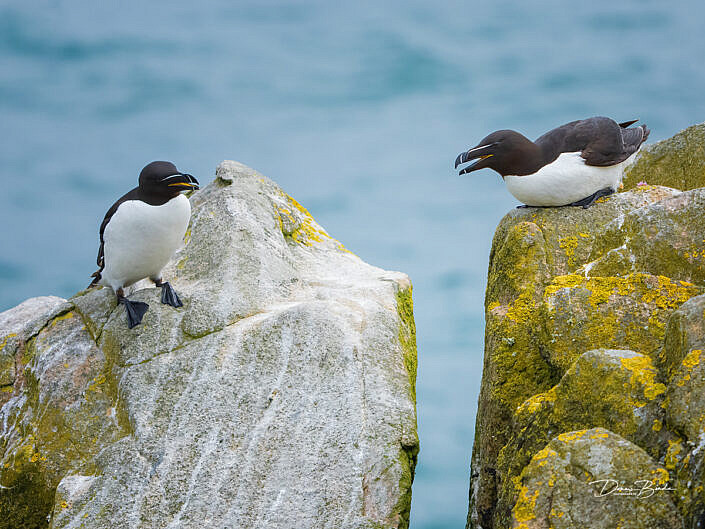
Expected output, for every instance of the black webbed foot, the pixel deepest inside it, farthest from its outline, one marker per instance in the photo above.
(589, 201)
(169, 295)
(135, 310)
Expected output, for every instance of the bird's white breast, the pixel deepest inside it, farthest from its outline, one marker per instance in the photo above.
(140, 239)
(565, 180)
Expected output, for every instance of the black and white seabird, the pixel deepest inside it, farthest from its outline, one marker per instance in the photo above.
(141, 232)
(572, 165)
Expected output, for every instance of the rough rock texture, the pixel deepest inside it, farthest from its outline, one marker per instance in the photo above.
(280, 395)
(569, 482)
(677, 162)
(594, 318)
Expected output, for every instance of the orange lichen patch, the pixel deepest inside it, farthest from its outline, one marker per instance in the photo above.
(660, 476)
(297, 223)
(665, 294)
(96, 382)
(569, 245)
(4, 342)
(644, 373)
(671, 459)
(691, 360)
(534, 403)
(571, 436)
(522, 309)
(523, 511)
(599, 435)
(66, 316)
(544, 453)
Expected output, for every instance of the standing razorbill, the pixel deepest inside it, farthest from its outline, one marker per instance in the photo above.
(572, 165)
(141, 232)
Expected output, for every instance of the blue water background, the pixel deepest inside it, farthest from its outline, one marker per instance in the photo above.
(358, 110)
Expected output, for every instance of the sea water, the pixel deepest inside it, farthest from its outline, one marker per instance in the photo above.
(357, 109)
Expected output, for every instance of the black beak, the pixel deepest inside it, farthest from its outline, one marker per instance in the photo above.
(481, 151)
(185, 181)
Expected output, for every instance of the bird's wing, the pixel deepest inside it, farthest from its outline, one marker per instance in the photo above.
(633, 138)
(608, 150)
(600, 141)
(100, 261)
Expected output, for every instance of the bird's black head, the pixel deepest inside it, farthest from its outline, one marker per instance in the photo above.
(164, 180)
(505, 151)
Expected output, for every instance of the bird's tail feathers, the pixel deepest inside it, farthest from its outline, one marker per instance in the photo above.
(625, 124)
(633, 138)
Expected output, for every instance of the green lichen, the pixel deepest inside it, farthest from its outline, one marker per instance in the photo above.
(524, 509)
(407, 335)
(303, 228)
(627, 312)
(26, 498)
(677, 162)
(297, 224)
(626, 385)
(402, 509)
(56, 432)
(569, 245)
(5, 340)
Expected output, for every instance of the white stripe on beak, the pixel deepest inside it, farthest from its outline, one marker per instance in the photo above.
(170, 176)
(478, 148)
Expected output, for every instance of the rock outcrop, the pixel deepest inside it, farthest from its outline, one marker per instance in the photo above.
(678, 162)
(593, 369)
(280, 395)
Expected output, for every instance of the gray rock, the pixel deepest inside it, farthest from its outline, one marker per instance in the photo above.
(684, 364)
(613, 389)
(567, 486)
(665, 238)
(280, 395)
(17, 325)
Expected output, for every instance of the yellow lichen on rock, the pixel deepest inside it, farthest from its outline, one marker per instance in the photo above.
(671, 458)
(524, 509)
(644, 373)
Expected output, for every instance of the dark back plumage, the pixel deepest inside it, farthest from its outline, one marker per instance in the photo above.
(601, 141)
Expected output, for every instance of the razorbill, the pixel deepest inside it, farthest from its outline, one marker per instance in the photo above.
(572, 165)
(141, 232)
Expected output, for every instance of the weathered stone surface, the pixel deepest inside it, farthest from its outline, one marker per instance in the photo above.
(665, 238)
(628, 400)
(629, 312)
(568, 483)
(17, 325)
(684, 368)
(280, 395)
(565, 281)
(677, 162)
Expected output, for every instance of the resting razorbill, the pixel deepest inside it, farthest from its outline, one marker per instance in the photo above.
(140, 233)
(572, 165)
